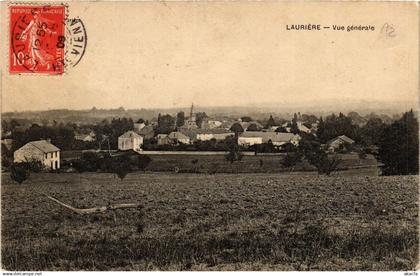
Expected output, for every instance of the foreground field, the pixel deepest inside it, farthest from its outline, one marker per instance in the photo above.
(212, 222)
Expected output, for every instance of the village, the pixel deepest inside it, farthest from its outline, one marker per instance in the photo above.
(172, 139)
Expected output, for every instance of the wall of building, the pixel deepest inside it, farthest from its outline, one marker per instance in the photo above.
(29, 153)
(249, 141)
(130, 143)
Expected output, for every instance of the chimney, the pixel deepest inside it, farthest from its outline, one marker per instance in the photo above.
(48, 140)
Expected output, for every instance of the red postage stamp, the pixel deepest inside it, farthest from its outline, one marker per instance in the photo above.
(37, 35)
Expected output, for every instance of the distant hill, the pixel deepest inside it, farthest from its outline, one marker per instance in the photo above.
(258, 111)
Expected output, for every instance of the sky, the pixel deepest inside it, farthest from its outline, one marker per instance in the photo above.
(170, 54)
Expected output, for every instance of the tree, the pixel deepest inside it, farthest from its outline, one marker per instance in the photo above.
(90, 161)
(121, 172)
(309, 118)
(234, 153)
(334, 126)
(121, 166)
(372, 131)
(291, 159)
(143, 161)
(166, 124)
(399, 146)
(270, 122)
(310, 148)
(294, 128)
(237, 128)
(199, 117)
(180, 118)
(246, 119)
(325, 164)
(253, 127)
(19, 172)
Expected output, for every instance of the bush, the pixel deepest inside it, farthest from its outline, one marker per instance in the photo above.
(291, 159)
(121, 166)
(90, 161)
(143, 161)
(19, 172)
(324, 164)
(6, 162)
(234, 153)
(35, 166)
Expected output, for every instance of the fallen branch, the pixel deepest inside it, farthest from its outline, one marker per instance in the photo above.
(94, 210)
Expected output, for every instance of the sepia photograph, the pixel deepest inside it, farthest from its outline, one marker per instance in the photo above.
(209, 136)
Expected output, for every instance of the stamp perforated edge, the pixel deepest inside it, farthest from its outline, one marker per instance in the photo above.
(7, 48)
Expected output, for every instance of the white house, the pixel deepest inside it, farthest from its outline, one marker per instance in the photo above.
(249, 141)
(42, 150)
(249, 138)
(130, 141)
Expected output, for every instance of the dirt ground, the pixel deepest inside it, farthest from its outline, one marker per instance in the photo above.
(211, 222)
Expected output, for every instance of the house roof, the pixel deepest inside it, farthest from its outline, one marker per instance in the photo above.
(302, 127)
(246, 125)
(83, 135)
(213, 131)
(346, 139)
(177, 135)
(44, 146)
(343, 138)
(130, 134)
(267, 136)
(146, 130)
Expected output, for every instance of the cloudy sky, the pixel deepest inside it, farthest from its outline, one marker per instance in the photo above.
(148, 55)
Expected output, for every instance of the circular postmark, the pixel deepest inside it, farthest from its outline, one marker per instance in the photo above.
(76, 42)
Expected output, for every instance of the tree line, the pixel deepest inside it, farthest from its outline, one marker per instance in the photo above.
(394, 143)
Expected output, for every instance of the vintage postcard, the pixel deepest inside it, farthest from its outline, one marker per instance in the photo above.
(209, 135)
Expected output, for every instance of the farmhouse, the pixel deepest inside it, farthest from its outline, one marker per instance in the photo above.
(338, 142)
(130, 141)
(173, 138)
(86, 137)
(42, 150)
(249, 138)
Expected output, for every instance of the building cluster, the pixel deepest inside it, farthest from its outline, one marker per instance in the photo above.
(253, 134)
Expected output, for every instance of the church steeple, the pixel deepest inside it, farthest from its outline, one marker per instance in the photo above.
(191, 111)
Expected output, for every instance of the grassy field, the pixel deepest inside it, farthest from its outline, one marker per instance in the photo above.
(211, 222)
(248, 164)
